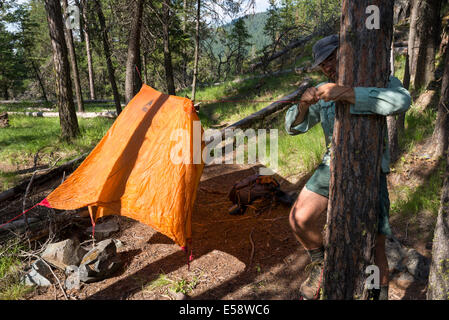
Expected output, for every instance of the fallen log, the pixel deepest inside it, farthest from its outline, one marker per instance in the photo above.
(268, 112)
(40, 226)
(85, 115)
(42, 178)
(275, 107)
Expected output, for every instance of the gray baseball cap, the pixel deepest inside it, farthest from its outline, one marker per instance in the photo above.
(323, 49)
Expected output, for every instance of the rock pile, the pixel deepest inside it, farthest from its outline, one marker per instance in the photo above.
(81, 265)
(406, 265)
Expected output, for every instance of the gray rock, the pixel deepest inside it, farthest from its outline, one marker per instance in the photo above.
(38, 275)
(100, 262)
(70, 269)
(405, 279)
(40, 267)
(417, 265)
(118, 243)
(395, 253)
(34, 278)
(178, 295)
(104, 230)
(73, 280)
(63, 253)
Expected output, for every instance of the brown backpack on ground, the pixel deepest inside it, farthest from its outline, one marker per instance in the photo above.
(259, 192)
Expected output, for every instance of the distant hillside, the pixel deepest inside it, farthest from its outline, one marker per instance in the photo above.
(255, 24)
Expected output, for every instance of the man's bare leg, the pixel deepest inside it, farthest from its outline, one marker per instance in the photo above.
(305, 218)
(305, 222)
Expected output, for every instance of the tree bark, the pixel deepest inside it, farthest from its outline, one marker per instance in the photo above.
(132, 79)
(357, 146)
(167, 52)
(66, 107)
(144, 68)
(441, 132)
(86, 31)
(73, 61)
(438, 287)
(423, 41)
(394, 122)
(197, 48)
(184, 49)
(5, 91)
(107, 53)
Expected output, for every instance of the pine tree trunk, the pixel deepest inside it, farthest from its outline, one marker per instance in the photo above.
(441, 132)
(132, 80)
(423, 41)
(107, 53)
(357, 147)
(167, 52)
(66, 107)
(438, 286)
(73, 61)
(88, 50)
(197, 48)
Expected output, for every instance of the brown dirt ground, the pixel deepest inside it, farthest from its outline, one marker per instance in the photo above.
(235, 257)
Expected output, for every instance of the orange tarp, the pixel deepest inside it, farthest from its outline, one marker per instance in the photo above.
(131, 173)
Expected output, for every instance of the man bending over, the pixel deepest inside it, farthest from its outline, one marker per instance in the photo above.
(317, 105)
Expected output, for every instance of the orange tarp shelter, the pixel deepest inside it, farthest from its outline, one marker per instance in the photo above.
(131, 173)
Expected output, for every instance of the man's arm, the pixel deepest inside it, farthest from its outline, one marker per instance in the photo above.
(369, 100)
(384, 101)
(302, 111)
(300, 118)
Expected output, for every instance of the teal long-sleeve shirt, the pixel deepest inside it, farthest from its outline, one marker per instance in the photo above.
(392, 100)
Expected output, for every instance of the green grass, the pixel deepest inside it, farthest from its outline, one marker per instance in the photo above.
(413, 202)
(11, 287)
(425, 198)
(27, 135)
(418, 126)
(399, 67)
(160, 282)
(181, 285)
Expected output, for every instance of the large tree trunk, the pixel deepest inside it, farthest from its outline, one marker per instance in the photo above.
(132, 80)
(73, 61)
(197, 48)
(441, 132)
(167, 52)
(107, 53)
(66, 107)
(438, 287)
(86, 31)
(423, 41)
(357, 147)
